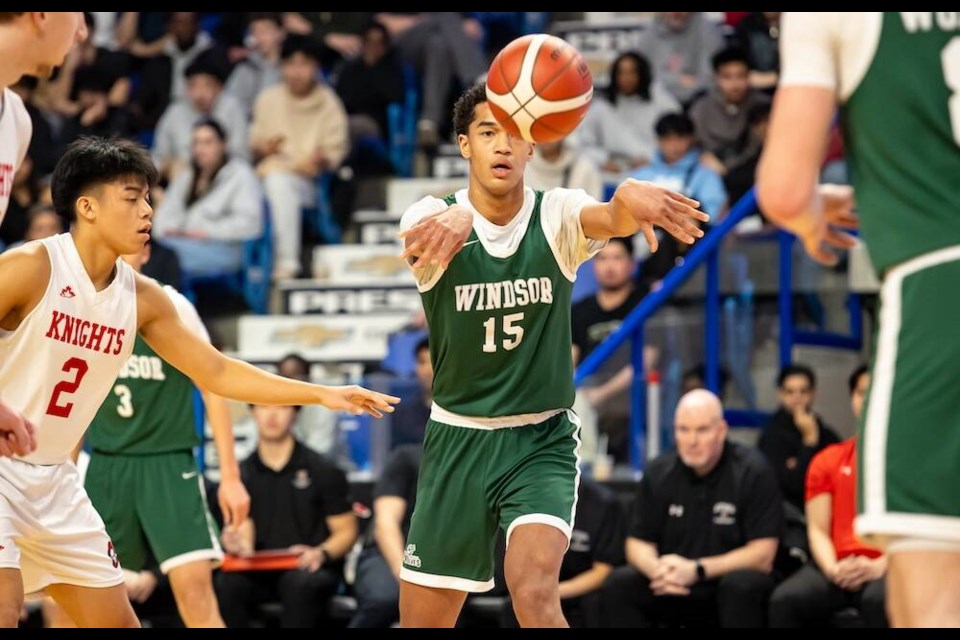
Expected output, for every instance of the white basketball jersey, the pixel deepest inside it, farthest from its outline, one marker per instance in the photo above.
(15, 132)
(61, 362)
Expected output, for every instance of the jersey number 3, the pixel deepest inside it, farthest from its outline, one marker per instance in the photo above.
(79, 368)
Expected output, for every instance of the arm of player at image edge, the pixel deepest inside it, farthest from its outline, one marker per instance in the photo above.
(640, 206)
(163, 330)
(23, 272)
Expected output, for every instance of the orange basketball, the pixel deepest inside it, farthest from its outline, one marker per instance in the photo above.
(539, 88)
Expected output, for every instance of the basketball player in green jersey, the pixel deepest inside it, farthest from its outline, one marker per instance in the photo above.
(897, 77)
(495, 265)
(143, 478)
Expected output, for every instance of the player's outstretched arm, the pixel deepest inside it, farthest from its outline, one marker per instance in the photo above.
(639, 206)
(437, 238)
(161, 327)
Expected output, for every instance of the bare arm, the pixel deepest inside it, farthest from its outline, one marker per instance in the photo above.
(756, 555)
(586, 582)
(126, 29)
(643, 556)
(638, 206)
(343, 533)
(232, 495)
(162, 329)
(819, 521)
(388, 514)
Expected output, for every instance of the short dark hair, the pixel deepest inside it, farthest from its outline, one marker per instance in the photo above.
(729, 55)
(797, 370)
(374, 25)
(296, 43)
(298, 359)
(211, 62)
(91, 162)
(213, 124)
(89, 20)
(273, 16)
(421, 345)
(465, 110)
(674, 124)
(8, 16)
(625, 242)
(854, 378)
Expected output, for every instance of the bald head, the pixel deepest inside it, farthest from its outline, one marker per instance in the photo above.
(699, 406)
(700, 430)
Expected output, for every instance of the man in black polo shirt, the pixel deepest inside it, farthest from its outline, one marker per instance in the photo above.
(705, 529)
(377, 586)
(298, 501)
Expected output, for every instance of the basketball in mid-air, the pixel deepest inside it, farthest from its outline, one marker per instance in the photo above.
(539, 88)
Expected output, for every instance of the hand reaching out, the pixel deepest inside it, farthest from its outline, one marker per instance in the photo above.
(651, 205)
(357, 400)
(838, 203)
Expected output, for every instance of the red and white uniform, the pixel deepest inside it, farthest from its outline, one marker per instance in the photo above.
(56, 369)
(15, 132)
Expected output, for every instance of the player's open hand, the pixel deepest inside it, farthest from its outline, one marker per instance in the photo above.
(17, 435)
(357, 400)
(234, 501)
(438, 238)
(652, 205)
(826, 230)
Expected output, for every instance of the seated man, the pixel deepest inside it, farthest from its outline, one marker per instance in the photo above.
(706, 524)
(795, 433)
(298, 501)
(845, 572)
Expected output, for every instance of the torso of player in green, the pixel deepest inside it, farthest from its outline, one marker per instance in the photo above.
(150, 409)
(902, 127)
(500, 329)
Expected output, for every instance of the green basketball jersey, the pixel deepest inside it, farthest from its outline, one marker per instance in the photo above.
(151, 407)
(902, 127)
(500, 326)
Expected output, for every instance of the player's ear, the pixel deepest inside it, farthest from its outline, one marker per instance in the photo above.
(85, 207)
(531, 148)
(464, 143)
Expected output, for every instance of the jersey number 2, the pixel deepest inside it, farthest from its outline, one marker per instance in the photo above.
(513, 331)
(950, 56)
(79, 367)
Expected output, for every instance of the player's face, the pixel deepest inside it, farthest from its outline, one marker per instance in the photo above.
(796, 393)
(859, 395)
(700, 434)
(59, 31)
(497, 159)
(123, 214)
(613, 267)
(733, 79)
(274, 423)
(208, 149)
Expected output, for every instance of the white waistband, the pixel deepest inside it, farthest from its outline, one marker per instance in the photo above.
(439, 414)
(925, 261)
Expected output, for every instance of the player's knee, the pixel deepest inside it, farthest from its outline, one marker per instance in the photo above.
(197, 603)
(533, 592)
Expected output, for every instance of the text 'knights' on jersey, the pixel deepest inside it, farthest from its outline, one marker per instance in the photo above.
(60, 363)
(499, 315)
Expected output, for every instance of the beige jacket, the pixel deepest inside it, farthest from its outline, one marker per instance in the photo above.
(317, 121)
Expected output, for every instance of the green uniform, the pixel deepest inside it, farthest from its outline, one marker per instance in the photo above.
(143, 478)
(902, 125)
(501, 447)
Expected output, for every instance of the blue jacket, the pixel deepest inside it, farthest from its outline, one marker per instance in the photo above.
(690, 178)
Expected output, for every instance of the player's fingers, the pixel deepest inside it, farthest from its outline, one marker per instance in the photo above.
(846, 220)
(687, 225)
(679, 197)
(840, 239)
(678, 233)
(21, 438)
(821, 255)
(651, 237)
(373, 412)
(6, 450)
(227, 512)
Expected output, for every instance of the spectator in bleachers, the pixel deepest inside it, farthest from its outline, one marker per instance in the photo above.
(25, 194)
(205, 99)
(560, 164)
(97, 69)
(444, 49)
(211, 207)
(679, 45)
(370, 82)
(377, 586)
(795, 433)
(739, 177)
(720, 116)
(705, 529)
(407, 425)
(759, 35)
(95, 112)
(260, 69)
(336, 32)
(315, 426)
(617, 132)
(596, 548)
(593, 319)
(163, 60)
(676, 165)
(844, 572)
(299, 130)
(298, 501)
(43, 221)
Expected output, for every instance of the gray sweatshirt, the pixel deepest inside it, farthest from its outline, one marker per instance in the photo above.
(673, 54)
(172, 139)
(232, 210)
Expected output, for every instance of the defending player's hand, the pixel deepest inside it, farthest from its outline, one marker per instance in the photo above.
(653, 205)
(357, 400)
(818, 232)
(234, 501)
(17, 435)
(438, 238)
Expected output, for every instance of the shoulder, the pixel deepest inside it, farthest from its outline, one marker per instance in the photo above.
(29, 264)
(20, 114)
(661, 468)
(269, 96)
(563, 202)
(321, 465)
(833, 452)
(421, 208)
(747, 460)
